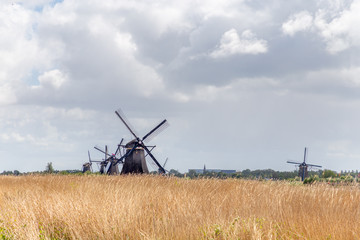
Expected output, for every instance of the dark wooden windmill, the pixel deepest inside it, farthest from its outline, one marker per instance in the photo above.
(111, 161)
(136, 151)
(87, 167)
(303, 167)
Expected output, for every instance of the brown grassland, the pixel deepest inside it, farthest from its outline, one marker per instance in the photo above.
(156, 207)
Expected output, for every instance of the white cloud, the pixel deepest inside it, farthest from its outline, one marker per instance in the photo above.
(17, 46)
(232, 44)
(301, 21)
(180, 97)
(61, 15)
(52, 79)
(215, 8)
(334, 81)
(337, 25)
(125, 43)
(233, 91)
(7, 95)
(17, 138)
(341, 32)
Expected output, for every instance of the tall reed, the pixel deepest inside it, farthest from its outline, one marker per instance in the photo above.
(156, 207)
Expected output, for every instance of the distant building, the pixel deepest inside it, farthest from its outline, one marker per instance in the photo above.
(202, 171)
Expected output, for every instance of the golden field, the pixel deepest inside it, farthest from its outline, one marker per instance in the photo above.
(156, 207)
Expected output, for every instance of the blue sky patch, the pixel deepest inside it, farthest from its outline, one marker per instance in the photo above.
(40, 8)
(53, 3)
(33, 78)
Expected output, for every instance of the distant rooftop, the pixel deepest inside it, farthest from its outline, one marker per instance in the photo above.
(213, 170)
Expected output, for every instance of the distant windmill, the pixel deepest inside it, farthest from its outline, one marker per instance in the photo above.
(87, 167)
(110, 163)
(303, 167)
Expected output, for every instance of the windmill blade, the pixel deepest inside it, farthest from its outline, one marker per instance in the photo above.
(152, 148)
(101, 150)
(91, 160)
(121, 160)
(165, 162)
(293, 162)
(108, 167)
(159, 128)
(305, 154)
(312, 165)
(162, 170)
(118, 149)
(122, 117)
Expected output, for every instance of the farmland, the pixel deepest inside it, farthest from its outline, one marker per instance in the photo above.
(155, 207)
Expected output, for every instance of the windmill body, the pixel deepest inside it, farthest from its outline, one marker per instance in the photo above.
(102, 167)
(86, 167)
(303, 171)
(112, 168)
(135, 161)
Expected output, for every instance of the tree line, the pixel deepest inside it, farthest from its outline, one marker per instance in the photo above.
(260, 174)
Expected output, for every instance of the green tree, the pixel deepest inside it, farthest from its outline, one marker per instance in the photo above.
(49, 168)
(192, 174)
(328, 173)
(175, 173)
(246, 173)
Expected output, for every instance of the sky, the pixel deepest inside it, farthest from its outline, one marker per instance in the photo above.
(244, 84)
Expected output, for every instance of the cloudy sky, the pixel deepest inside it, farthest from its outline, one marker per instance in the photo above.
(243, 83)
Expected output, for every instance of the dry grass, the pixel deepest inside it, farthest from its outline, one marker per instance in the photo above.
(154, 207)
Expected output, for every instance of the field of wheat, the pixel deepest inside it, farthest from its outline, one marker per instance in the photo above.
(156, 207)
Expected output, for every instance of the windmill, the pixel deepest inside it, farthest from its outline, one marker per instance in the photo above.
(110, 163)
(88, 165)
(134, 157)
(303, 167)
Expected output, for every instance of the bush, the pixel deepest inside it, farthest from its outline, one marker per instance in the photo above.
(311, 180)
(328, 174)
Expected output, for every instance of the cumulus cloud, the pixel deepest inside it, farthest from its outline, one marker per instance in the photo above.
(340, 32)
(53, 79)
(336, 25)
(301, 21)
(232, 44)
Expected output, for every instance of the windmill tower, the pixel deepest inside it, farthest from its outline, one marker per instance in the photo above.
(135, 161)
(303, 166)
